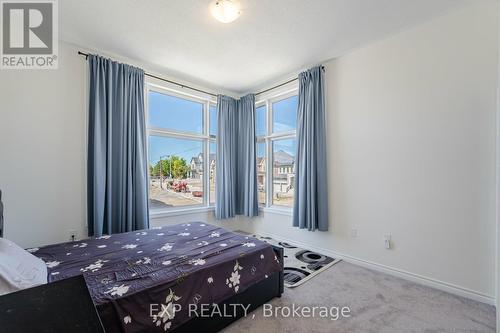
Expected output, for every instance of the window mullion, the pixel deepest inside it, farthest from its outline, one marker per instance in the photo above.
(173, 134)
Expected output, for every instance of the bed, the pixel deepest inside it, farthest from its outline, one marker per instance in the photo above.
(191, 277)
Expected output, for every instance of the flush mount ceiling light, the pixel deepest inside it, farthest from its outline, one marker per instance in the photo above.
(225, 11)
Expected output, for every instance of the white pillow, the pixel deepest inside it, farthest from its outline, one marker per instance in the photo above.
(19, 269)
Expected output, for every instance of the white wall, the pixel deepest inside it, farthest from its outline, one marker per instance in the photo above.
(42, 150)
(411, 144)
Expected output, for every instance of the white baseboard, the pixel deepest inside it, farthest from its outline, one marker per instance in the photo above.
(420, 279)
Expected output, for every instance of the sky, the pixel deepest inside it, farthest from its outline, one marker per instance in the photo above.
(284, 116)
(287, 145)
(260, 120)
(175, 113)
(162, 146)
(183, 115)
(261, 149)
(213, 120)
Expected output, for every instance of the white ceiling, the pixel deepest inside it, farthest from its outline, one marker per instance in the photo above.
(271, 39)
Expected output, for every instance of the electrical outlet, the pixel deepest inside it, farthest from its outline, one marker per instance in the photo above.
(354, 232)
(73, 236)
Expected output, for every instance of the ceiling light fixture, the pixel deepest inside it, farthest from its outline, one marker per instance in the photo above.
(225, 11)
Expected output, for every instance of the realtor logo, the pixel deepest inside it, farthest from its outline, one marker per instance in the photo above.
(29, 34)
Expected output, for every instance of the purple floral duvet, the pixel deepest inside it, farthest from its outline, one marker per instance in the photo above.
(146, 281)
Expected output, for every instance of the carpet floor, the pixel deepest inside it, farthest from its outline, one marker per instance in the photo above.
(378, 303)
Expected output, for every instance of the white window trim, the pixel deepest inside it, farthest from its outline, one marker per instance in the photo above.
(268, 139)
(281, 210)
(203, 137)
(157, 214)
(211, 139)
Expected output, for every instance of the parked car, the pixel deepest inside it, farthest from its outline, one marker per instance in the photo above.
(180, 187)
(197, 194)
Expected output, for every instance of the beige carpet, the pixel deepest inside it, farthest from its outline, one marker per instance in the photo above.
(378, 303)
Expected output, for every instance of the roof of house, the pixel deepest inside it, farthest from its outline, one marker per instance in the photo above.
(199, 158)
(281, 157)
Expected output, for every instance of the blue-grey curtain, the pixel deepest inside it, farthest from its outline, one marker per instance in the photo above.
(310, 210)
(117, 187)
(226, 159)
(246, 171)
(236, 185)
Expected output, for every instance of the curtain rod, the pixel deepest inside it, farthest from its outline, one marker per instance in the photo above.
(86, 55)
(276, 86)
(281, 84)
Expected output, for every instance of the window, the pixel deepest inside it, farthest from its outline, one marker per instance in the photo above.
(285, 115)
(181, 150)
(174, 113)
(283, 172)
(276, 122)
(213, 150)
(213, 120)
(260, 120)
(261, 172)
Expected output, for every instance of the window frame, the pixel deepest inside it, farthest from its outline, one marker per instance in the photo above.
(268, 139)
(204, 137)
(211, 139)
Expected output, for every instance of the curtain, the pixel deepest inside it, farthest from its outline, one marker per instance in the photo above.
(117, 187)
(246, 171)
(310, 209)
(236, 172)
(225, 184)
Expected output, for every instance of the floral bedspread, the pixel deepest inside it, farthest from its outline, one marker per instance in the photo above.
(147, 280)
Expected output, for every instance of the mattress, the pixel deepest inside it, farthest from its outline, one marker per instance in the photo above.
(157, 279)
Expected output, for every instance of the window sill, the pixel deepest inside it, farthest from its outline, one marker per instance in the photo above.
(180, 211)
(276, 210)
(194, 210)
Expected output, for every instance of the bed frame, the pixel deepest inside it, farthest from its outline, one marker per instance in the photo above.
(252, 298)
(255, 296)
